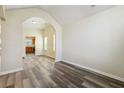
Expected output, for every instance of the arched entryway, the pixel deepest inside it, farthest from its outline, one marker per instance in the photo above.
(39, 38)
(49, 21)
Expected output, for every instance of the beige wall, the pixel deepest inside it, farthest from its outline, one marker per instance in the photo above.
(49, 32)
(97, 42)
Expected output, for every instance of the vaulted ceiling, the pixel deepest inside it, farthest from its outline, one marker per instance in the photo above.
(67, 14)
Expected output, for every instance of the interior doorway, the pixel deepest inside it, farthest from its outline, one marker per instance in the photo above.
(30, 45)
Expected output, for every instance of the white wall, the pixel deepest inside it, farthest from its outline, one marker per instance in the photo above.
(38, 36)
(97, 42)
(12, 36)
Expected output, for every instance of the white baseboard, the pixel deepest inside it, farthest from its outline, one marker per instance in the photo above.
(57, 60)
(97, 71)
(11, 71)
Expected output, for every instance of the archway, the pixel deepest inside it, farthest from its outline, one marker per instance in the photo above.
(48, 19)
(39, 37)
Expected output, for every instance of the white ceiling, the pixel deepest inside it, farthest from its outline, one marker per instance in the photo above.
(69, 14)
(66, 14)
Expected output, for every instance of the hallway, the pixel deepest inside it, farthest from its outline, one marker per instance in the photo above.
(43, 72)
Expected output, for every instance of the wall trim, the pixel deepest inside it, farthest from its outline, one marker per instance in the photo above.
(49, 57)
(97, 71)
(11, 71)
(57, 60)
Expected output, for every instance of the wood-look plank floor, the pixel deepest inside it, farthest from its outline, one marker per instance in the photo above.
(43, 72)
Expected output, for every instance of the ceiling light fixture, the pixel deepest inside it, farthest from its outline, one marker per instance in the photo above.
(93, 5)
(34, 22)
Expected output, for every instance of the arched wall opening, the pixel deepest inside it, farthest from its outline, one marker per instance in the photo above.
(39, 38)
(36, 12)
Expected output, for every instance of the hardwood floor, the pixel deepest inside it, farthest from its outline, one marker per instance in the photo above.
(15, 80)
(43, 72)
